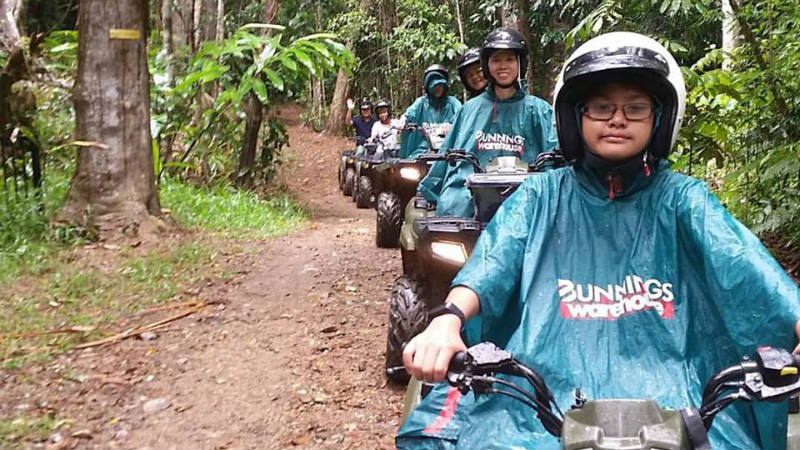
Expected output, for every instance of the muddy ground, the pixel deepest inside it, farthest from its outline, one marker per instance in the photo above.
(290, 354)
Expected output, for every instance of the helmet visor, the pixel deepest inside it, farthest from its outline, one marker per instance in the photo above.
(616, 58)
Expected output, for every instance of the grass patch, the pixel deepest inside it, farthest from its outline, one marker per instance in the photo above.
(45, 288)
(27, 243)
(96, 295)
(233, 212)
(14, 432)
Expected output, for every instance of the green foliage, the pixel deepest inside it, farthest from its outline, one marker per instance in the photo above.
(690, 27)
(391, 60)
(233, 212)
(250, 62)
(744, 122)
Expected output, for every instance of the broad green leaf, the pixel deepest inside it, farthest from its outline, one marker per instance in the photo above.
(274, 78)
(260, 89)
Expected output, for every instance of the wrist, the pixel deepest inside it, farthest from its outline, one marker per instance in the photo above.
(447, 321)
(449, 310)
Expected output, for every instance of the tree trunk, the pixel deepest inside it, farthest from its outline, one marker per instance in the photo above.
(247, 157)
(459, 21)
(337, 119)
(255, 116)
(553, 56)
(205, 21)
(113, 189)
(167, 37)
(524, 27)
(270, 10)
(9, 30)
(507, 15)
(730, 33)
(183, 23)
(220, 20)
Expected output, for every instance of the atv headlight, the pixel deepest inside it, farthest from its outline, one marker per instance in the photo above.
(453, 251)
(366, 165)
(349, 160)
(409, 173)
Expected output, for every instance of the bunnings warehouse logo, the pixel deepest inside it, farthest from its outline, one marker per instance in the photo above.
(499, 142)
(612, 301)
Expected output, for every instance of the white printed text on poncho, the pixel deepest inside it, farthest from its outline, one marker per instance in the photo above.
(499, 142)
(612, 301)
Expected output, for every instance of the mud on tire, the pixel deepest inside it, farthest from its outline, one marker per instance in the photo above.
(349, 181)
(340, 177)
(408, 317)
(363, 194)
(388, 220)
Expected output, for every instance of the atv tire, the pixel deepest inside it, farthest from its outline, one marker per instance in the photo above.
(349, 181)
(388, 220)
(408, 317)
(363, 196)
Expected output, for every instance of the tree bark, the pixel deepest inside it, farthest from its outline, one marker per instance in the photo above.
(9, 30)
(220, 20)
(270, 10)
(553, 56)
(205, 21)
(113, 189)
(183, 23)
(167, 37)
(247, 157)
(255, 116)
(337, 118)
(524, 27)
(730, 33)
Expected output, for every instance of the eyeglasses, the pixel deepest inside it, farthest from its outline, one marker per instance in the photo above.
(605, 111)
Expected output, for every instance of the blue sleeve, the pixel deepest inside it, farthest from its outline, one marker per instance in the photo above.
(431, 185)
(758, 302)
(494, 269)
(544, 124)
(456, 108)
(414, 111)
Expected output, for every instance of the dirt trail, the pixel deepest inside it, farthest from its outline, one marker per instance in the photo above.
(295, 357)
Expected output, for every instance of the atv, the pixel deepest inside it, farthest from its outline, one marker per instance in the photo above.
(395, 181)
(770, 375)
(434, 248)
(347, 169)
(377, 154)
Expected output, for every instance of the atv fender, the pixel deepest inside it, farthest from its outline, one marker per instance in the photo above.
(409, 232)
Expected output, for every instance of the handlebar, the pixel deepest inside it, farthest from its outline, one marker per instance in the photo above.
(772, 375)
(454, 156)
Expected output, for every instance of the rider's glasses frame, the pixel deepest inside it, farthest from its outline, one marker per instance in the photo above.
(634, 112)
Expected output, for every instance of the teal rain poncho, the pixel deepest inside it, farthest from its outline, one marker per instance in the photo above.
(519, 126)
(643, 296)
(427, 110)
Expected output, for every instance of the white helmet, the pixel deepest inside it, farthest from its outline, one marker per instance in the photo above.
(620, 57)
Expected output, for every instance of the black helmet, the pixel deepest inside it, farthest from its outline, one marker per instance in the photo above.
(470, 57)
(504, 38)
(365, 103)
(620, 57)
(383, 104)
(442, 70)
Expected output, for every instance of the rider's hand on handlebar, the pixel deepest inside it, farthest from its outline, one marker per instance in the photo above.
(428, 354)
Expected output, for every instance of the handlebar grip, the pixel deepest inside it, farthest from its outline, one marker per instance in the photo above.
(396, 371)
(458, 363)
